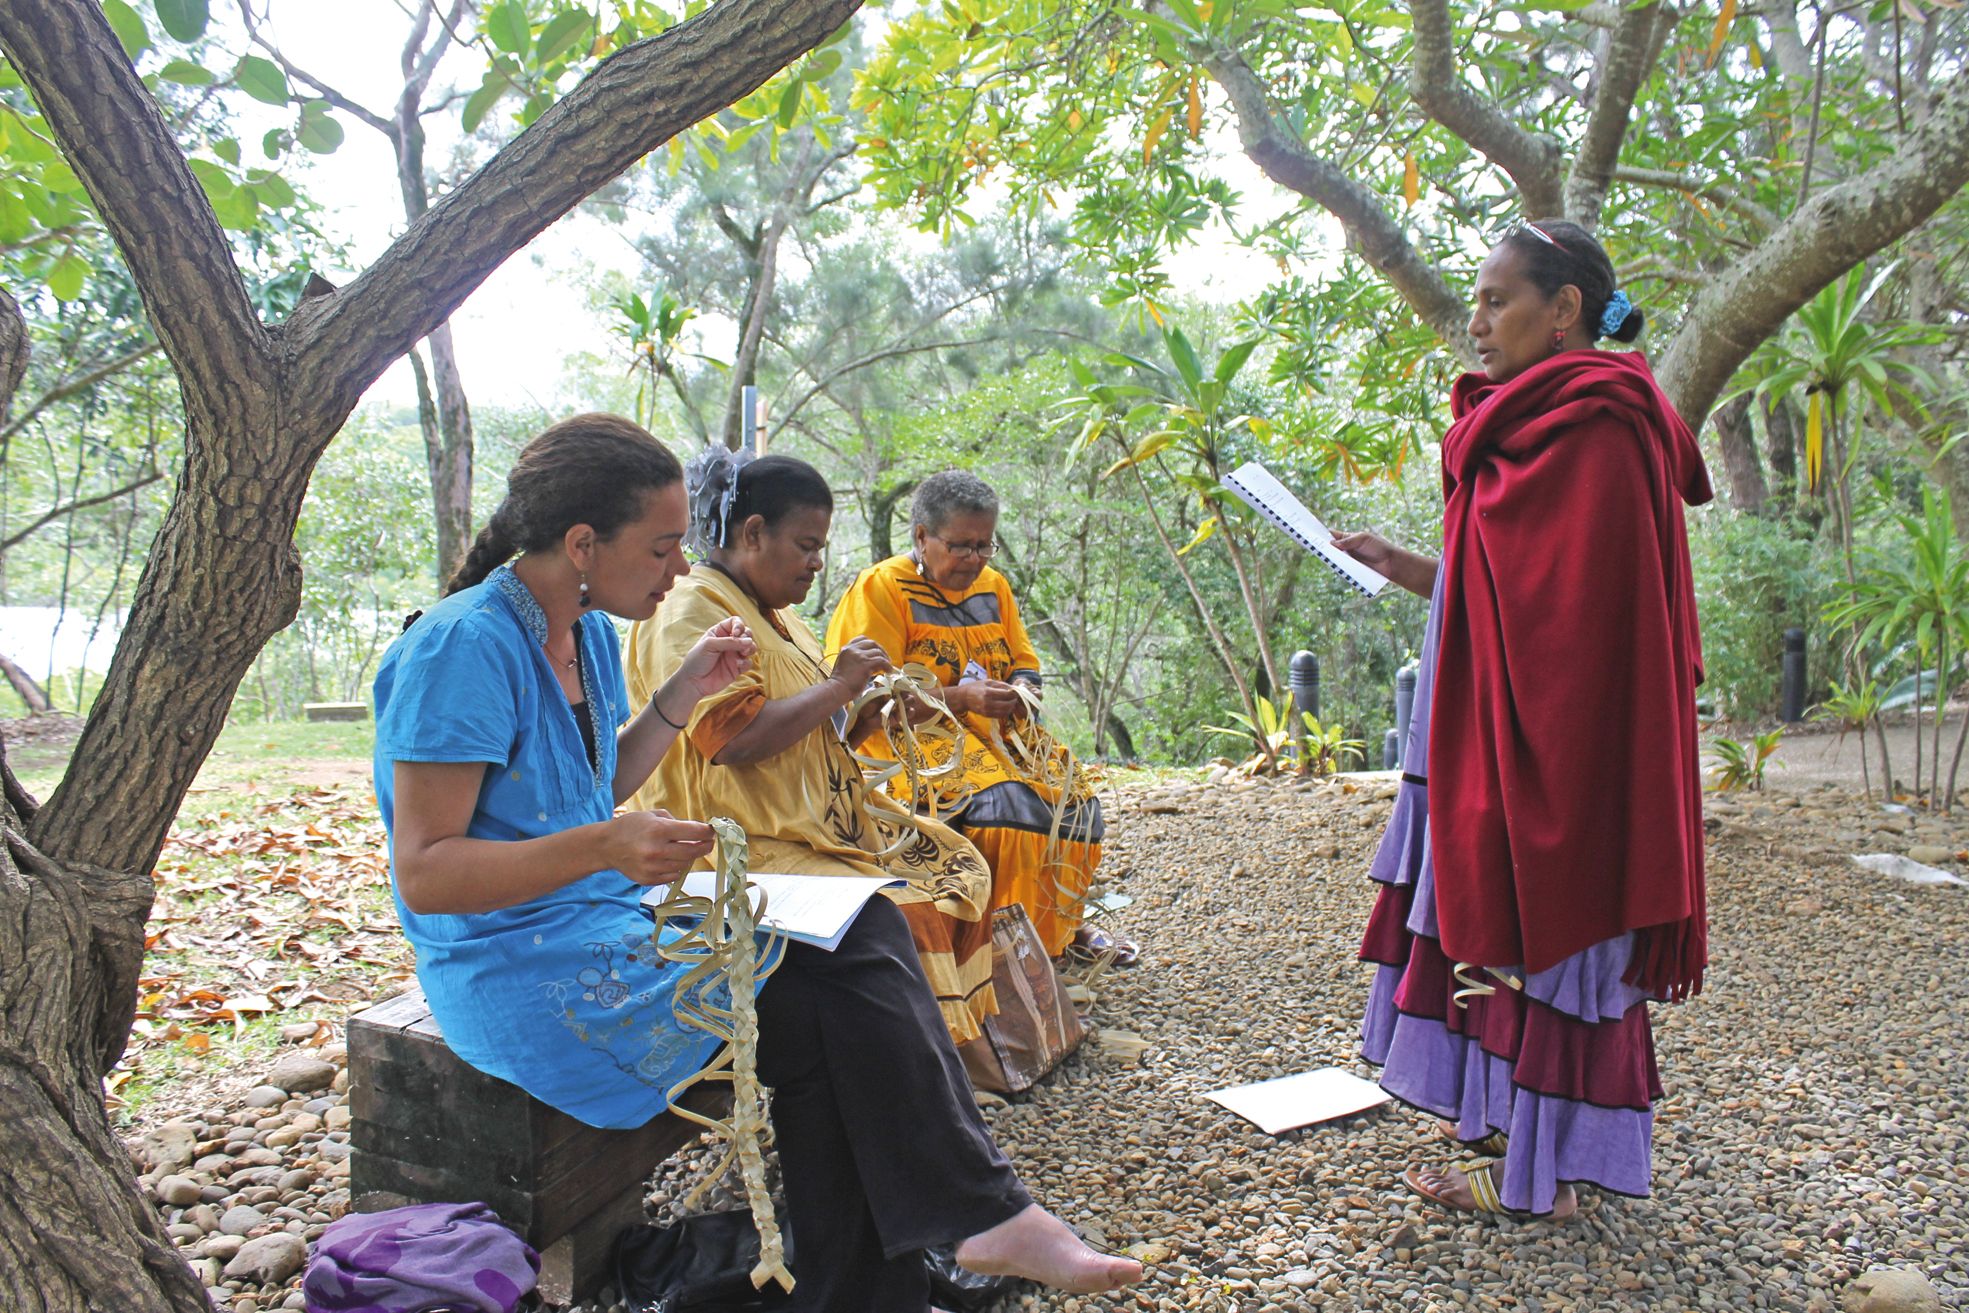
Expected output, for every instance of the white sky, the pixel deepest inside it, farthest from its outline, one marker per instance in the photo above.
(515, 331)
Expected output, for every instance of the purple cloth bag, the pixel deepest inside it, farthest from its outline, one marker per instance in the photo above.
(427, 1258)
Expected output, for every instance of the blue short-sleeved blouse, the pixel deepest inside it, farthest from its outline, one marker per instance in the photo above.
(563, 995)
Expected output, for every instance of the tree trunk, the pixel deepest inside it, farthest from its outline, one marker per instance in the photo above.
(1781, 445)
(447, 456)
(758, 304)
(261, 404)
(32, 695)
(882, 519)
(1738, 441)
(451, 461)
(75, 1230)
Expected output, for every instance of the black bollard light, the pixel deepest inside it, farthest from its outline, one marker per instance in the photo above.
(1391, 750)
(1404, 700)
(1792, 672)
(1304, 678)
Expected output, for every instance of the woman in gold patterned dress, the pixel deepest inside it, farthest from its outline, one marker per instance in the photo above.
(1019, 797)
(770, 750)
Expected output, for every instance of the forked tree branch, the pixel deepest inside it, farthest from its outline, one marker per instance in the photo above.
(626, 107)
(115, 138)
(1631, 52)
(1531, 159)
(1274, 148)
(1833, 231)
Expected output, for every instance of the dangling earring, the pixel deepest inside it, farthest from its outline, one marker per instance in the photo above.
(586, 602)
(1558, 340)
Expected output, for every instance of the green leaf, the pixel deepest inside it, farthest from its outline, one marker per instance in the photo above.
(319, 132)
(562, 33)
(275, 143)
(261, 79)
(15, 221)
(227, 149)
(1183, 356)
(821, 65)
(239, 211)
(481, 101)
(128, 26)
(789, 103)
(507, 28)
(1233, 360)
(273, 190)
(185, 20)
(60, 177)
(65, 278)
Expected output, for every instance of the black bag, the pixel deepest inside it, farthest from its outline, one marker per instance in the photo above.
(703, 1264)
(959, 1290)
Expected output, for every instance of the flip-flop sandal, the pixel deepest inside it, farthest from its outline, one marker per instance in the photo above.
(1481, 1178)
(1092, 943)
(1477, 1174)
(1491, 1146)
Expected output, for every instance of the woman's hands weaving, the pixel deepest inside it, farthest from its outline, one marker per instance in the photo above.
(985, 697)
(654, 847)
(722, 655)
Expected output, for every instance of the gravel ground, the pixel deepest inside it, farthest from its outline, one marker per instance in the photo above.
(1814, 1127)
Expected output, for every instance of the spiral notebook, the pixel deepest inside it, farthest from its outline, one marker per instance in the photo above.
(1271, 499)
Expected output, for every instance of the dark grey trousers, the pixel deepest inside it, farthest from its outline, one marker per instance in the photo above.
(881, 1147)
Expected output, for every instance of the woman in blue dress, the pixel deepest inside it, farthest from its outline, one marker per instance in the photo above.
(505, 741)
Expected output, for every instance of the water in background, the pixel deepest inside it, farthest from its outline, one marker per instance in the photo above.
(45, 640)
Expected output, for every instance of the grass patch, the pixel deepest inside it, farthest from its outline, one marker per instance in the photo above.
(250, 756)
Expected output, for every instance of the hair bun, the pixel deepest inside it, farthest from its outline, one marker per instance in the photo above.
(1630, 325)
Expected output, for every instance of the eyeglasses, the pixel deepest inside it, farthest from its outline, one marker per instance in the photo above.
(983, 551)
(1542, 235)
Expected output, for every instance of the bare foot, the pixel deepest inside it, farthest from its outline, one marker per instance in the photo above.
(1036, 1245)
(1450, 1186)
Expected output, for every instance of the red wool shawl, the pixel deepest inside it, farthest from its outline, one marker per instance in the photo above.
(1565, 801)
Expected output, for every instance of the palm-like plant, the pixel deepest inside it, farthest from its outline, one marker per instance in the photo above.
(1853, 708)
(654, 332)
(1843, 362)
(1918, 597)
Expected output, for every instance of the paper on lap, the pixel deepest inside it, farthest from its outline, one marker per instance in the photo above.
(1262, 491)
(813, 909)
(1294, 1101)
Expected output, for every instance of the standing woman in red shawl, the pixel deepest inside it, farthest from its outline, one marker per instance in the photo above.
(1542, 873)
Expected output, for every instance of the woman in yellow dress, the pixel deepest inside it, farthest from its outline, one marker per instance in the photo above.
(1033, 814)
(769, 750)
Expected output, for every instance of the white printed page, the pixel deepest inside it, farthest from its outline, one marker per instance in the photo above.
(1261, 488)
(815, 909)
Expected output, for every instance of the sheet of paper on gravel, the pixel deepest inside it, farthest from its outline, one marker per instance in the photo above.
(1303, 1100)
(1904, 868)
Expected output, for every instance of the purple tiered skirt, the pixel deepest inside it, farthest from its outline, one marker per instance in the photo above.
(1564, 1066)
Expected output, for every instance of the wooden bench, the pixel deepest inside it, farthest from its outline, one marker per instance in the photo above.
(427, 1128)
(335, 710)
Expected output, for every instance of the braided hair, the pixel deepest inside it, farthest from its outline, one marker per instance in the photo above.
(591, 469)
(1554, 254)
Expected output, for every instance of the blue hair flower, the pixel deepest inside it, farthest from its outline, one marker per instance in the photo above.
(1618, 308)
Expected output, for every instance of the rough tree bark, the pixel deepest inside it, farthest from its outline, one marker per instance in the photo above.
(262, 402)
(1743, 472)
